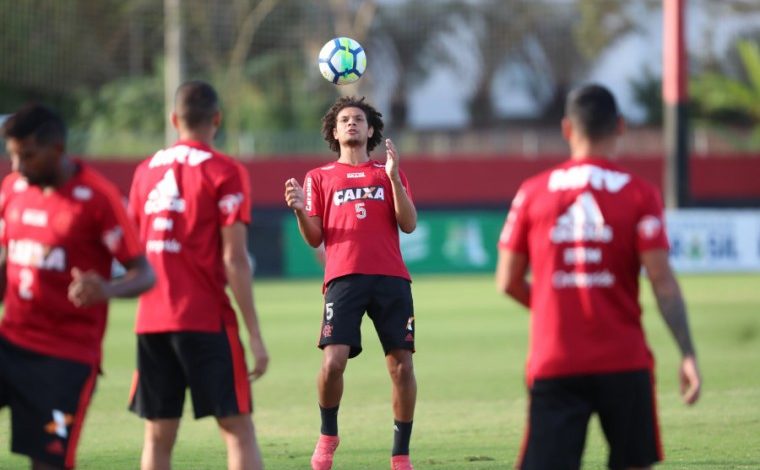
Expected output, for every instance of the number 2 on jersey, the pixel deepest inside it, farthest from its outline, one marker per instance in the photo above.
(25, 281)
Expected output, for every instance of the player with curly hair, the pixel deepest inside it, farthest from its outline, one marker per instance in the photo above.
(356, 206)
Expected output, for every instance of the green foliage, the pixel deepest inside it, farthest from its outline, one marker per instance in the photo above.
(124, 117)
(723, 100)
(647, 91)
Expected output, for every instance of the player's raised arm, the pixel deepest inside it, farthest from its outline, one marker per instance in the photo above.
(673, 310)
(309, 226)
(406, 214)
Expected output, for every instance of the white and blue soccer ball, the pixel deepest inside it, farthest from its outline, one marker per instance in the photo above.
(342, 61)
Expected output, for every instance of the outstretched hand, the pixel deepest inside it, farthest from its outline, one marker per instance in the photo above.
(294, 195)
(87, 288)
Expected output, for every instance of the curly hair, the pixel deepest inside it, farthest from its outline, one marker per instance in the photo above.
(374, 120)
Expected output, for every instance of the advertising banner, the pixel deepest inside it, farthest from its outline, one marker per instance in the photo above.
(714, 240)
(702, 240)
(444, 242)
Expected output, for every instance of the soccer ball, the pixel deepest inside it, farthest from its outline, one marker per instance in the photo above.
(342, 61)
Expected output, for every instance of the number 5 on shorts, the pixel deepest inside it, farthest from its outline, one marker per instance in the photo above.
(329, 311)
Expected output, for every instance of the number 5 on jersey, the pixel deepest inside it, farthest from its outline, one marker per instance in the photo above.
(361, 211)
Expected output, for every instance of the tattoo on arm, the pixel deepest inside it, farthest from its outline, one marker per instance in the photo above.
(673, 311)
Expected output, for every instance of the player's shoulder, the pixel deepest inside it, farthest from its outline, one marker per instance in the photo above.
(11, 180)
(537, 182)
(91, 181)
(11, 185)
(323, 171)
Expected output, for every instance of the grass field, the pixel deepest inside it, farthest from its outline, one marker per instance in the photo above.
(471, 347)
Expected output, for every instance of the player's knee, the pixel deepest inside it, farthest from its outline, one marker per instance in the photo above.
(160, 435)
(333, 367)
(240, 427)
(402, 372)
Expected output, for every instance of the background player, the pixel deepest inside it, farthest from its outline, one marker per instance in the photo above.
(62, 226)
(192, 207)
(356, 206)
(585, 228)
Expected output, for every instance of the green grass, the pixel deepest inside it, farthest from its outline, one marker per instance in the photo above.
(471, 408)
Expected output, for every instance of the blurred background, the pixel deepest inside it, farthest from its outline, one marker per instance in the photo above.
(472, 92)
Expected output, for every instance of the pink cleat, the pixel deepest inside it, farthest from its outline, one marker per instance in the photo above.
(401, 462)
(322, 458)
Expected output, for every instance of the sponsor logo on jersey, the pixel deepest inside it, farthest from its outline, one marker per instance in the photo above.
(581, 176)
(582, 222)
(649, 227)
(20, 185)
(358, 174)
(82, 193)
(30, 253)
(352, 194)
(308, 189)
(159, 246)
(165, 196)
(582, 255)
(181, 154)
(230, 203)
(564, 279)
(112, 239)
(34, 218)
(161, 224)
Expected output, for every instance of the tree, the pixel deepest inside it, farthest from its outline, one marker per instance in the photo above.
(725, 98)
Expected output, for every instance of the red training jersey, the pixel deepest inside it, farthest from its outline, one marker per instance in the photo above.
(582, 225)
(181, 198)
(47, 232)
(358, 214)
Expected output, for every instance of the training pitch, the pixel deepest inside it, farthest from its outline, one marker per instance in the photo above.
(471, 345)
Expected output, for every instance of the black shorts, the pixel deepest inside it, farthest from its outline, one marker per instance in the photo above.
(48, 398)
(386, 299)
(560, 409)
(212, 365)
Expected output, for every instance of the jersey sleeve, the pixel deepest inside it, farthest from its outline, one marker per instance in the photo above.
(650, 227)
(514, 234)
(117, 232)
(314, 203)
(233, 196)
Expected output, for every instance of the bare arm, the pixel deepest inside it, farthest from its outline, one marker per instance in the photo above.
(310, 227)
(239, 276)
(406, 214)
(511, 269)
(673, 310)
(89, 288)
